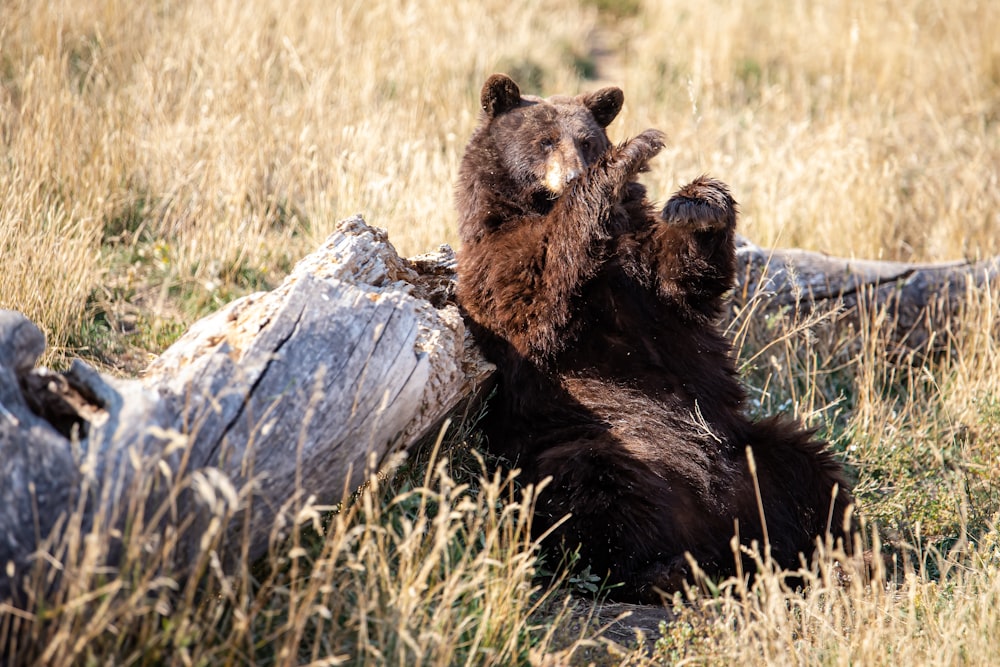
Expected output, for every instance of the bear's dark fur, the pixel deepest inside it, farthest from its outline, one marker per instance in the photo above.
(614, 378)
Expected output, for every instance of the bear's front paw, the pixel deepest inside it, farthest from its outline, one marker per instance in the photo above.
(636, 152)
(705, 204)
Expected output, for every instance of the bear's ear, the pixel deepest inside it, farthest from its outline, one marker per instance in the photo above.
(500, 94)
(604, 104)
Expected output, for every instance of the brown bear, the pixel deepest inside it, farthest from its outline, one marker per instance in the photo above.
(614, 378)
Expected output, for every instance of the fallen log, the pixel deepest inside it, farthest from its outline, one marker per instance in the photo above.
(286, 399)
(920, 303)
(279, 400)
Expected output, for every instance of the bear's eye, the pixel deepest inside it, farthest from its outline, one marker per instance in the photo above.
(547, 144)
(585, 144)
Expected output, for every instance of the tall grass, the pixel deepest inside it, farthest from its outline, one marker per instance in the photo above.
(208, 146)
(431, 570)
(909, 619)
(204, 147)
(864, 129)
(160, 158)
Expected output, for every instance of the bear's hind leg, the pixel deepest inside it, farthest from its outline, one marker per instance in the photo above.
(804, 491)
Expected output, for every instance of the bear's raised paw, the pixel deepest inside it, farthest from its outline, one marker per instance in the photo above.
(705, 204)
(634, 154)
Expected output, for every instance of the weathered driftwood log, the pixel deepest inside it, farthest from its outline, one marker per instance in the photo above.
(920, 301)
(287, 397)
(279, 399)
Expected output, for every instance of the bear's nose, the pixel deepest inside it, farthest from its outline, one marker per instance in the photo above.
(558, 175)
(575, 163)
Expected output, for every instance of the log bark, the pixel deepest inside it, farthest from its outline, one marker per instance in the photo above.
(285, 399)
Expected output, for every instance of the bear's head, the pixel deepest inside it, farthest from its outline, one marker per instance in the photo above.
(544, 144)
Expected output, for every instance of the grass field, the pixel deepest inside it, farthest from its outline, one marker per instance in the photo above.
(162, 158)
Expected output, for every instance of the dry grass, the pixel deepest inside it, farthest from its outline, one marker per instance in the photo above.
(432, 571)
(170, 154)
(161, 158)
(193, 149)
(865, 129)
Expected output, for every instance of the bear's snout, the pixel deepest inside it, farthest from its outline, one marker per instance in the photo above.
(562, 168)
